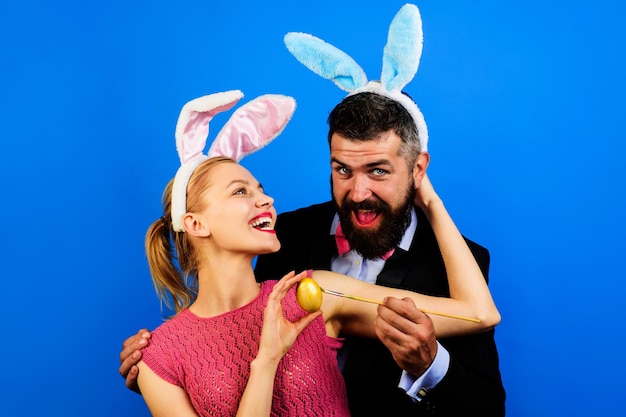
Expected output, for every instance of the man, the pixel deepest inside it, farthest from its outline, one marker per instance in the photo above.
(377, 163)
(376, 166)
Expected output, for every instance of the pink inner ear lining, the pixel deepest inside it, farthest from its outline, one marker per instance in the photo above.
(253, 126)
(192, 136)
(198, 119)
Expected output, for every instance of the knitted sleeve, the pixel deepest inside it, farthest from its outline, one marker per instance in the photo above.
(162, 350)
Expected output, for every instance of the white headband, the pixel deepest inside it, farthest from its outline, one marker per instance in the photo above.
(401, 57)
(250, 128)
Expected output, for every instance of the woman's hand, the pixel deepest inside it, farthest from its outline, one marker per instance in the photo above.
(426, 195)
(278, 333)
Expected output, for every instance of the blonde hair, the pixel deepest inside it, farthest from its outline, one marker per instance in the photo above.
(172, 257)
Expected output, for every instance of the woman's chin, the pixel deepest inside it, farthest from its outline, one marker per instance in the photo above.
(270, 249)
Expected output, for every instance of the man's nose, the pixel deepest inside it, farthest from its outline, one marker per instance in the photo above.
(360, 190)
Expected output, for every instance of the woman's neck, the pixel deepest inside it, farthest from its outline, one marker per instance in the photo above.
(224, 284)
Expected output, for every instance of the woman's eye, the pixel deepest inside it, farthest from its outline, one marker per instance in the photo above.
(239, 191)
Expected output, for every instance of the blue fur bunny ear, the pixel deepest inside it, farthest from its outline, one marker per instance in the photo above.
(401, 57)
(326, 60)
(403, 51)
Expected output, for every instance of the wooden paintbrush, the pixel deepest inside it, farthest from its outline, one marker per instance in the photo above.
(367, 300)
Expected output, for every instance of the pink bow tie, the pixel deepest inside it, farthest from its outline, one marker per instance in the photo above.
(343, 246)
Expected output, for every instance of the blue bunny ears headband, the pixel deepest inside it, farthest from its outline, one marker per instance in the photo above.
(401, 57)
(251, 127)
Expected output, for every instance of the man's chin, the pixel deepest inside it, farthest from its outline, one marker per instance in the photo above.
(370, 250)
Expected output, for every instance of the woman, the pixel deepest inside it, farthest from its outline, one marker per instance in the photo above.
(236, 347)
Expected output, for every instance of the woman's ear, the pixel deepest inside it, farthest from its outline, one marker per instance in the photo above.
(194, 225)
(419, 169)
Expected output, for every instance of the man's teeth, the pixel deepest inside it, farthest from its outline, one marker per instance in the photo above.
(263, 223)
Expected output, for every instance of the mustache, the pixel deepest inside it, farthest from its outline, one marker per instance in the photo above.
(374, 204)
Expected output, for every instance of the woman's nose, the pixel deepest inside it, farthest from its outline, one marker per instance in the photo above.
(265, 201)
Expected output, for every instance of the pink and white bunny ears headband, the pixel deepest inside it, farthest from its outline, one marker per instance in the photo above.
(250, 128)
(401, 57)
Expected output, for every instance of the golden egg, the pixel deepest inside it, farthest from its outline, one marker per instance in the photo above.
(309, 295)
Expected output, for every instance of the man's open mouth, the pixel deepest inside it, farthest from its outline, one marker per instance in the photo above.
(365, 218)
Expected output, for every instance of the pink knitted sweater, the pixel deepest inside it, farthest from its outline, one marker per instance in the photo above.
(210, 359)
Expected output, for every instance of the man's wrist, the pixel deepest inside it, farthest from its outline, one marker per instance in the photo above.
(418, 387)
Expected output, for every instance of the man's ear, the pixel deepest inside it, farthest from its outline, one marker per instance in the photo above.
(195, 226)
(419, 169)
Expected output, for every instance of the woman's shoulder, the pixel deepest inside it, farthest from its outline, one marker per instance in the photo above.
(169, 329)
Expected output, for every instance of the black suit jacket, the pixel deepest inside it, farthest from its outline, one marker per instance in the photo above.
(472, 385)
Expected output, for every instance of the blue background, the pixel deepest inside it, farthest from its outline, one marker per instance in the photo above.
(524, 103)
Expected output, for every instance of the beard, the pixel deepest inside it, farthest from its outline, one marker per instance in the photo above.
(374, 242)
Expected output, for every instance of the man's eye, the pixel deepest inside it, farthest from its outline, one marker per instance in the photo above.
(343, 170)
(378, 172)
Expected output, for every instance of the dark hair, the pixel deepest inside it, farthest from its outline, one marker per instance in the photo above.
(366, 116)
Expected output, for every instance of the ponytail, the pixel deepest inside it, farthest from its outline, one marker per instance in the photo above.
(172, 257)
(175, 289)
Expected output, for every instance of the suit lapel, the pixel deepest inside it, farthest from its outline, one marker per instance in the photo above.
(412, 262)
(322, 246)
(395, 269)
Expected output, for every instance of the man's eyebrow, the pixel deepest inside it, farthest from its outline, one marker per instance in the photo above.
(378, 163)
(372, 164)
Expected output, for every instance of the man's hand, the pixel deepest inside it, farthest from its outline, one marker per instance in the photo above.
(407, 333)
(129, 357)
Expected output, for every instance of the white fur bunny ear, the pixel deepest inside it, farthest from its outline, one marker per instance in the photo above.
(250, 128)
(253, 126)
(403, 50)
(326, 60)
(192, 128)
